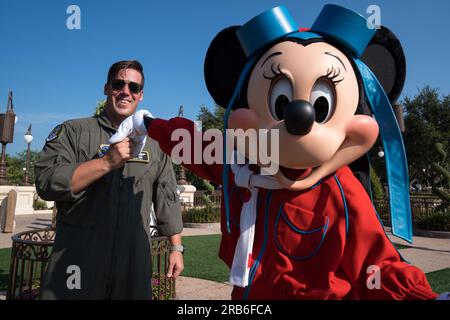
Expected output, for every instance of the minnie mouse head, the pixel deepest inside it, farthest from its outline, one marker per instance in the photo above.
(328, 91)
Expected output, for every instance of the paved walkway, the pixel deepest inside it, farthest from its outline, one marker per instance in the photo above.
(429, 254)
(39, 220)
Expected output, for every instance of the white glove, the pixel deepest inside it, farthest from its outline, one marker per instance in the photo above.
(133, 127)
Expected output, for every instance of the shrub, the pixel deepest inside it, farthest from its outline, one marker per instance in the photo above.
(436, 219)
(39, 204)
(206, 200)
(208, 214)
(377, 188)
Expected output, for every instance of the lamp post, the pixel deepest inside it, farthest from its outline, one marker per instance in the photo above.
(7, 121)
(181, 179)
(28, 137)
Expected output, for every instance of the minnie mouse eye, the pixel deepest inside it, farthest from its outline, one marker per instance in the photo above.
(279, 97)
(323, 99)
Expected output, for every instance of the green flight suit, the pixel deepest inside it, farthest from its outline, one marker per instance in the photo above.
(104, 229)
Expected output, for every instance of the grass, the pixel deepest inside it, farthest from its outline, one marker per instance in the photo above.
(440, 280)
(400, 246)
(201, 261)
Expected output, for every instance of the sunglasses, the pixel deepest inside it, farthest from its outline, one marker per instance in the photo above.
(118, 84)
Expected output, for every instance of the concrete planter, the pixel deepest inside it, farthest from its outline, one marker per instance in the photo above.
(187, 195)
(25, 197)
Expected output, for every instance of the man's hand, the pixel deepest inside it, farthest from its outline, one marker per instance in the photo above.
(118, 154)
(88, 172)
(176, 264)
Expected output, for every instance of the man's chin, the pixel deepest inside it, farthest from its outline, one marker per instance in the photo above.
(124, 111)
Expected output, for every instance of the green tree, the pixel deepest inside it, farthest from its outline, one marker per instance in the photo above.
(441, 169)
(427, 122)
(212, 119)
(100, 107)
(377, 188)
(15, 167)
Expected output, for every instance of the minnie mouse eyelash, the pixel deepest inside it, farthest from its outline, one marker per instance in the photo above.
(275, 73)
(332, 74)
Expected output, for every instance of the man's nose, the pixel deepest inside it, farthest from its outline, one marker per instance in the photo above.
(299, 117)
(126, 89)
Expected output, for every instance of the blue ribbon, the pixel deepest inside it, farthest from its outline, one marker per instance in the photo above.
(395, 155)
(225, 127)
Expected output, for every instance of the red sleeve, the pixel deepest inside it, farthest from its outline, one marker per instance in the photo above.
(367, 245)
(162, 130)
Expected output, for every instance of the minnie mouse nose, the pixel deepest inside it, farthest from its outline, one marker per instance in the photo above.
(299, 117)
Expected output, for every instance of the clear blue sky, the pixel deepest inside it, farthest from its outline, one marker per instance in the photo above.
(58, 74)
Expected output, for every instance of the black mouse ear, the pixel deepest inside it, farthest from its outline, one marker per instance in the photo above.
(385, 57)
(224, 62)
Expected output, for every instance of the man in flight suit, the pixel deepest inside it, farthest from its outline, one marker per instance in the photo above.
(104, 198)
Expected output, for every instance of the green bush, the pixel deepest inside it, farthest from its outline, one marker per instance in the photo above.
(437, 219)
(206, 200)
(377, 188)
(39, 204)
(208, 214)
(208, 186)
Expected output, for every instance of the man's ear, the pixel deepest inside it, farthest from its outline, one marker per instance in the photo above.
(224, 62)
(141, 95)
(385, 57)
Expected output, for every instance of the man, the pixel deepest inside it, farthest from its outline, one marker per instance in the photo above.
(104, 198)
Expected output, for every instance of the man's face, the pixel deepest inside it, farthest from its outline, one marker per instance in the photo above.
(121, 101)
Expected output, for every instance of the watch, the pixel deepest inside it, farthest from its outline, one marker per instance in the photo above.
(179, 248)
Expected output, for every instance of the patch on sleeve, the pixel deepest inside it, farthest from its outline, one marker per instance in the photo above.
(102, 150)
(54, 133)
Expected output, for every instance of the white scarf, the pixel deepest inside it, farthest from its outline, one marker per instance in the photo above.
(245, 178)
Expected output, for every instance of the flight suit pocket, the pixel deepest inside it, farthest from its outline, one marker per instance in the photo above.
(169, 194)
(299, 233)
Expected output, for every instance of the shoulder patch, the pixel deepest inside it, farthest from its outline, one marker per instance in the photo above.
(102, 150)
(54, 133)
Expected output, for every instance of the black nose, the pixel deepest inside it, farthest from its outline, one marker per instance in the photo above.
(299, 117)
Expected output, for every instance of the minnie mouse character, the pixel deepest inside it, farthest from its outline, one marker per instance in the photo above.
(310, 230)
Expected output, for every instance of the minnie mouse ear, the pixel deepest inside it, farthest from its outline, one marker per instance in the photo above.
(224, 62)
(385, 57)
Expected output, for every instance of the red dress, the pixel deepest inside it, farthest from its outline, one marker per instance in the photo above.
(313, 244)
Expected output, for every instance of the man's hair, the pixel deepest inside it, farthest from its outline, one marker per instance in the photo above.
(125, 64)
